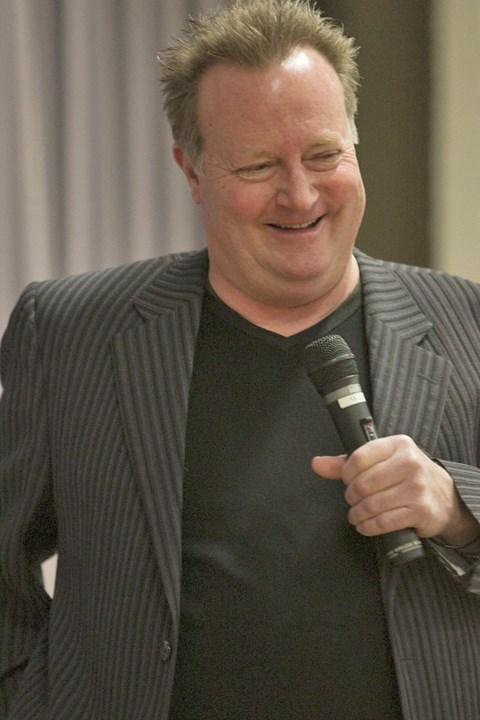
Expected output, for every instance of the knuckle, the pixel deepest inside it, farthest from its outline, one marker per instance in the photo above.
(363, 487)
(383, 523)
(369, 505)
(423, 505)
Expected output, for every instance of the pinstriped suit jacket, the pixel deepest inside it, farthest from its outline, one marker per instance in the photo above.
(96, 373)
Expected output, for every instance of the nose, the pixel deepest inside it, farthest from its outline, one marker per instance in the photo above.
(297, 189)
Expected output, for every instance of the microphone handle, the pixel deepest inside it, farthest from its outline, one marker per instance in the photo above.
(350, 413)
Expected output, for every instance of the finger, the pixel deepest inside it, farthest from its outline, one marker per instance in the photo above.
(329, 466)
(368, 483)
(410, 477)
(382, 503)
(376, 452)
(389, 521)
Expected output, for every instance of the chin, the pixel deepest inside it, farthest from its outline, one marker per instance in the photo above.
(307, 272)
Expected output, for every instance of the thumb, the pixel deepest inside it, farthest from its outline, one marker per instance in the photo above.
(329, 466)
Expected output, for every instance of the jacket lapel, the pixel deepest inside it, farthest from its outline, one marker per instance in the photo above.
(409, 381)
(153, 362)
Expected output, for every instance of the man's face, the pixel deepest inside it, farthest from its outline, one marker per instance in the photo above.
(279, 183)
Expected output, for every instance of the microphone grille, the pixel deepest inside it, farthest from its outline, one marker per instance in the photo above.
(328, 360)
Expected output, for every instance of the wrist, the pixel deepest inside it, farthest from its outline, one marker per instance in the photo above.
(462, 530)
(472, 547)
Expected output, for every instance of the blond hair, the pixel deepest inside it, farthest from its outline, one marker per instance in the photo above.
(252, 34)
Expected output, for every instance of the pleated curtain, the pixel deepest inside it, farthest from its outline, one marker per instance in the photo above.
(86, 175)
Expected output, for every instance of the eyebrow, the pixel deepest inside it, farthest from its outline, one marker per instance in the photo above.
(327, 139)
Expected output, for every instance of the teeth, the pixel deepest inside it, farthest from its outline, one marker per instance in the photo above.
(300, 226)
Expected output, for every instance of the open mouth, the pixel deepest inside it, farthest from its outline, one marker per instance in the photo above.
(296, 226)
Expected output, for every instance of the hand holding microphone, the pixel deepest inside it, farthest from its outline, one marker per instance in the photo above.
(334, 373)
(392, 486)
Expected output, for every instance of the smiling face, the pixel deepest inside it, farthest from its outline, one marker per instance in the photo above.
(279, 183)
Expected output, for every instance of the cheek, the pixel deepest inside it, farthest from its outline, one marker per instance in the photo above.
(245, 204)
(347, 194)
(244, 211)
(232, 201)
(348, 186)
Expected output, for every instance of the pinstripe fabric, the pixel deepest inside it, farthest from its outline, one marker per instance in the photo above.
(424, 345)
(96, 371)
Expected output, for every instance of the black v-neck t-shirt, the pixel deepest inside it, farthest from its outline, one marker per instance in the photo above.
(281, 612)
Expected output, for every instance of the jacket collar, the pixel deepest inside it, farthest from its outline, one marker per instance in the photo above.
(180, 283)
(409, 381)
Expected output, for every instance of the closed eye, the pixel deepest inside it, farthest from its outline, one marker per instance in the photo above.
(259, 171)
(325, 158)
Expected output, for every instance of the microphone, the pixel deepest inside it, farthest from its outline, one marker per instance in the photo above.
(333, 370)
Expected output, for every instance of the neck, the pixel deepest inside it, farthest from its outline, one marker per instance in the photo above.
(292, 313)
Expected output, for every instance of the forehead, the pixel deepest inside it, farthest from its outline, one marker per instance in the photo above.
(299, 92)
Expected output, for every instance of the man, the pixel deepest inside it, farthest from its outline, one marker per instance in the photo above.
(158, 429)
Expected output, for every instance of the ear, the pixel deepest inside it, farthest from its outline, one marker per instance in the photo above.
(184, 162)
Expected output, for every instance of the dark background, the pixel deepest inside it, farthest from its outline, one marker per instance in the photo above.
(393, 122)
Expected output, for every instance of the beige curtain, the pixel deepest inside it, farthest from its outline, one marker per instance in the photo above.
(86, 175)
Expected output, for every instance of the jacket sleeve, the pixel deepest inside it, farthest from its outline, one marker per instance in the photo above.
(465, 568)
(27, 525)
